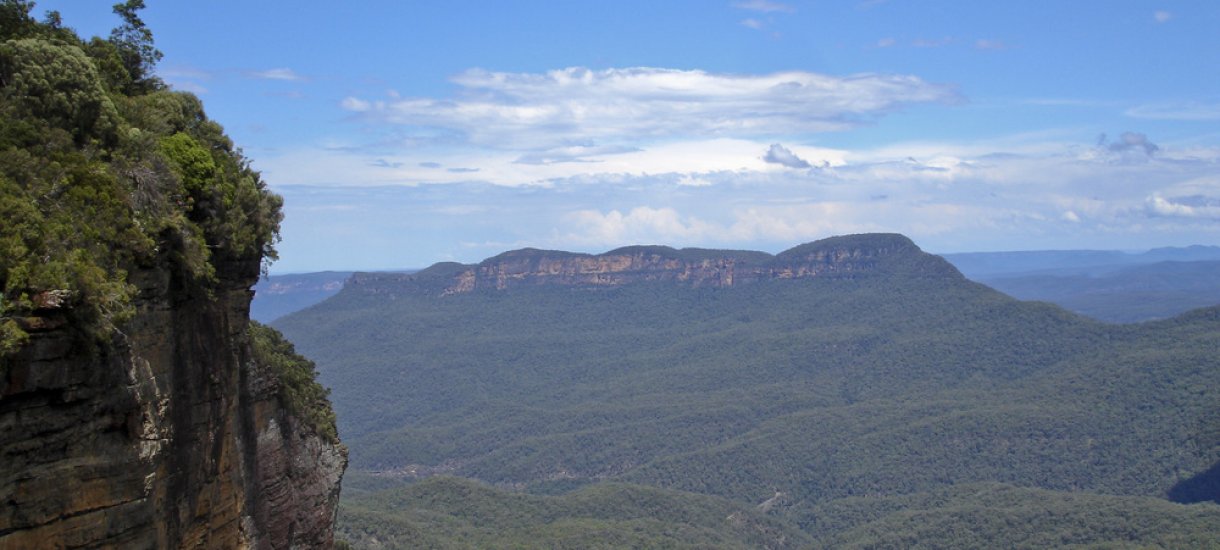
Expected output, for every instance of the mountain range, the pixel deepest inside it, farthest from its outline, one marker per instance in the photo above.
(851, 389)
(1111, 286)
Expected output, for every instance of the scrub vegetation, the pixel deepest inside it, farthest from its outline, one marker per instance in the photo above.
(104, 169)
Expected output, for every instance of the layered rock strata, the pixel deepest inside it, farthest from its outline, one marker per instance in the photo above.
(170, 436)
(852, 256)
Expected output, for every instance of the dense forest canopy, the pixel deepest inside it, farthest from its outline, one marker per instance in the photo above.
(103, 168)
(889, 405)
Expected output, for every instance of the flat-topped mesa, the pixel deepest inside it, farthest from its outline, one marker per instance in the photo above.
(614, 268)
(850, 256)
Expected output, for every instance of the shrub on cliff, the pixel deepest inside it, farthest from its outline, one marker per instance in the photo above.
(103, 169)
(299, 390)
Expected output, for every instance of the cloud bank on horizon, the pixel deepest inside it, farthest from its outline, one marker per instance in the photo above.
(686, 158)
(421, 133)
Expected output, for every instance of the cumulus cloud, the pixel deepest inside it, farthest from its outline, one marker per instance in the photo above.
(1194, 206)
(1130, 142)
(282, 73)
(532, 110)
(778, 154)
(691, 180)
(950, 197)
(787, 224)
(641, 224)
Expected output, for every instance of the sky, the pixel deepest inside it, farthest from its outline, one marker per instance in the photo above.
(401, 134)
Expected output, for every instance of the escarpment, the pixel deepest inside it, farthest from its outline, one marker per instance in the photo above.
(134, 410)
(173, 435)
(850, 256)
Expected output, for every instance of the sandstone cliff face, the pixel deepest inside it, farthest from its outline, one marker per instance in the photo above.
(171, 437)
(852, 256)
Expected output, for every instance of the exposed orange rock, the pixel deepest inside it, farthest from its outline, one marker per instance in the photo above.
(849, 256)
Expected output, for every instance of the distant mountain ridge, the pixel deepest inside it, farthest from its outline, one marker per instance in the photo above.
(867, 382)
(988, 265)
(1108, 285)
(278, 295)
(1112, 286)
(850, 256)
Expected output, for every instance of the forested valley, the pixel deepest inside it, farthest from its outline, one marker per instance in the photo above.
(897, 404)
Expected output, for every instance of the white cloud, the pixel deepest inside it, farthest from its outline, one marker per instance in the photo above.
(788, 224)
(282, 73)
(765, 6)
(1019, 192)
(1196, 206)
(355, 105)
(752, 23)
(886, 42)
(690, 180)
(1130, 142)
(640, 225)
(1189, 110)
(778, 154)
(578, 105)
(1162, 16)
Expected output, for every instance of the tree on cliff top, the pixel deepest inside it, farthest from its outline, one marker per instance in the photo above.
(103, 170)
(134, 42)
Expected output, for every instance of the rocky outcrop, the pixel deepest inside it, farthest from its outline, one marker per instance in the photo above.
(851, 256)
(169, 436)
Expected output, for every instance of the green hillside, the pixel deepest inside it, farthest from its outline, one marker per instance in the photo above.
(1002, 516)
(902, 380)
(456, 513)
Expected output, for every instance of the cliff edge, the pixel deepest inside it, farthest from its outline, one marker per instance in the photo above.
(173, 436)
(841, 257)
(139, 407)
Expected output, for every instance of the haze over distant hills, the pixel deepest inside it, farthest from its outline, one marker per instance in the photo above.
(1111, 286)
(851, 389)
(278, 295)
(984, 265)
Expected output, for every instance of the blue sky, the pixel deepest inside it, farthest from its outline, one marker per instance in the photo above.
(405, 133)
